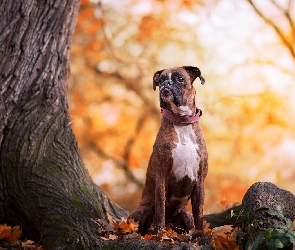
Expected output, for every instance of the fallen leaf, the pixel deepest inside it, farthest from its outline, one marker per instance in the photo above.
(221, 243)
(16, 233)
(104, 227)
(222, 231)
(116, 225)
(148, 237)
(4, 227)
(171, 233)
(29, 244)
(133, 224)
(5, 233)
(125, 227)
(10, 234)
(166, 238)
(113, 237)
(182, 237)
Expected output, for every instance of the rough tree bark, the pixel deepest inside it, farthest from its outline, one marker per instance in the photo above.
(264, 197)
(43, 183)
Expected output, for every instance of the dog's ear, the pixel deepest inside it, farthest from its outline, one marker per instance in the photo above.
(156, 78)
(194, 72)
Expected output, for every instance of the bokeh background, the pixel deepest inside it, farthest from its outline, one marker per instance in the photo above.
(245, 50)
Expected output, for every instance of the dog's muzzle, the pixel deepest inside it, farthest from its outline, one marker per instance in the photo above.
(169, 91)
(166, 89)
(166, 92)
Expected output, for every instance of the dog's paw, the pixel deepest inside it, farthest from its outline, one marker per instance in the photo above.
(157, 230)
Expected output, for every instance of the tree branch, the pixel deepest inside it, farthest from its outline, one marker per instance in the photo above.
(276, 28)
(285, 11)
(121, 163)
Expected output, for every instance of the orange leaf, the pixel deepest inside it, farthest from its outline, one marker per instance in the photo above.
(4, 227)
(125, 226)
(171, 233)
(133, 224)
(4, 234)
(181, 237)
(233, 245)
(148, 237)
(223, 243)
(16, 233)
(10, 234)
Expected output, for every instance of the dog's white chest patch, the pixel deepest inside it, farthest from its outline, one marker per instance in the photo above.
(185, 157)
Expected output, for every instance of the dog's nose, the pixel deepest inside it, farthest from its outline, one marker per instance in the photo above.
(165, 92)
(167, 83)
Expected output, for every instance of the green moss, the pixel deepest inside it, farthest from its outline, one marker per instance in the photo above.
(56, 170)
(77, 203)
(64, 236)
(85, 190)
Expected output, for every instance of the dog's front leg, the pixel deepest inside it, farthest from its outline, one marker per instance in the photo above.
(198, 194)
(160, 197)
(197, 200)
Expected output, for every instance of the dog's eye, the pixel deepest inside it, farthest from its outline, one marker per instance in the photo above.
(161, 80)
(180, 79)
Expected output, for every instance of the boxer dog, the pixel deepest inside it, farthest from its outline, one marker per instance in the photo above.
(178, 164)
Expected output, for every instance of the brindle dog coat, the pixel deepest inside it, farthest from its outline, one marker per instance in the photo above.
(178, 164)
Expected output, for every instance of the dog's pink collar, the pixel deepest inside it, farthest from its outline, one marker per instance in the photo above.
(185, 119)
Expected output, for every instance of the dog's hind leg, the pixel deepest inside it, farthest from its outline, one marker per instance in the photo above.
(144, 215)
(182, 221)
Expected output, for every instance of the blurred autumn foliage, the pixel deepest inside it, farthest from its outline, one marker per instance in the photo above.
(247, 101)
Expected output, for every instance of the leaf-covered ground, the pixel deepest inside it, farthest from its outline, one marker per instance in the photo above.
(217, 238)
(10, 239)
(225, 237)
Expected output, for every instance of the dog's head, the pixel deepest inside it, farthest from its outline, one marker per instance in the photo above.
(176, 88)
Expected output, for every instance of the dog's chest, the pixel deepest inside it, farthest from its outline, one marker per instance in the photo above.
(185, 157)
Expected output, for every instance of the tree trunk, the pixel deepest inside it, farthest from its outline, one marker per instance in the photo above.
(43, 183)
